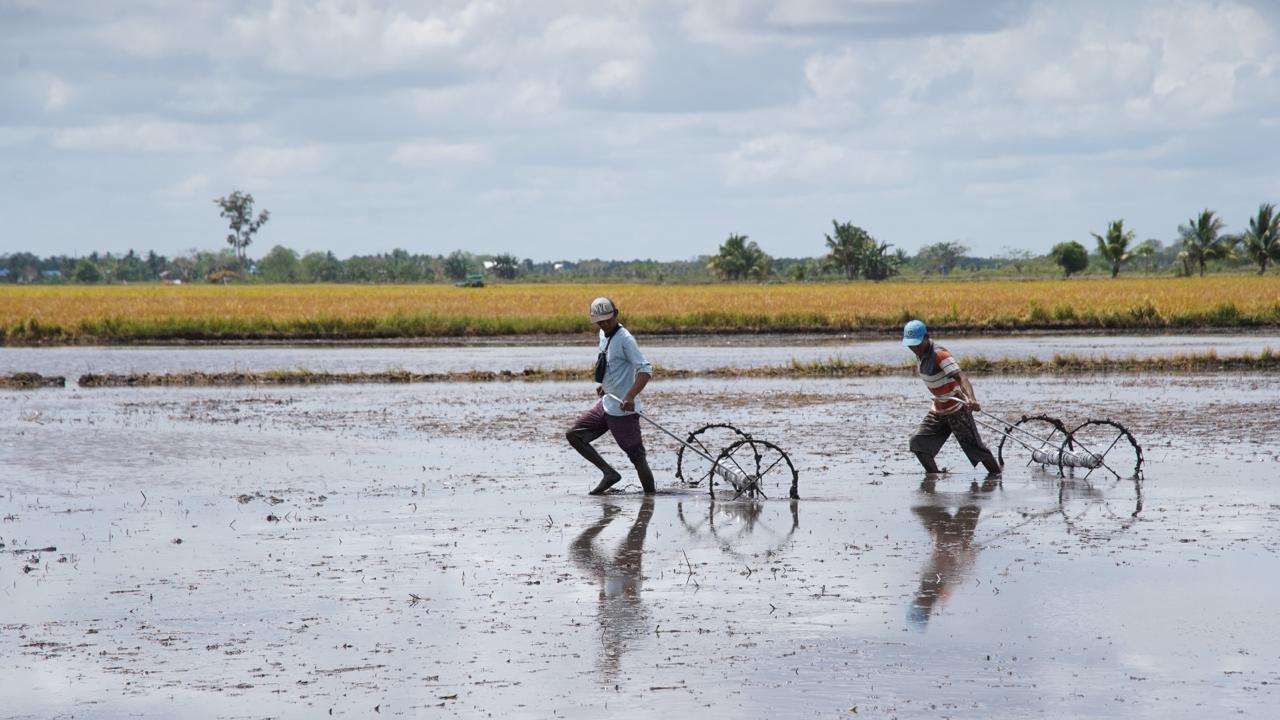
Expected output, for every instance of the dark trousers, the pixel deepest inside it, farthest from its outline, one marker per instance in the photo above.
(625, 430)
(935, 429)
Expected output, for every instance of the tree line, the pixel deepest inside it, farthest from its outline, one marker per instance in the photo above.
(850, 252)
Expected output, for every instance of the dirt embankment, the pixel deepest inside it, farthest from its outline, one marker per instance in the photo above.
(30, 380)
(1059, 365)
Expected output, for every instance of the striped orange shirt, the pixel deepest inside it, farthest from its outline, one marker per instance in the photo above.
(941, 373)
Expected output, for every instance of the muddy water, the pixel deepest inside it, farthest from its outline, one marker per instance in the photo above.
(404, 551)
(687, 353)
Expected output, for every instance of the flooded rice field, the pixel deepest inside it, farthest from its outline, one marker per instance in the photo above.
(689, 353)
(429, 550)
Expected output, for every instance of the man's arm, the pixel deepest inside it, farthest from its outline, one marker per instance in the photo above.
(968, 392)
(644, 371)
(629, 402)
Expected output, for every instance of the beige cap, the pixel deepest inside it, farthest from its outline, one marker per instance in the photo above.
(602, 308)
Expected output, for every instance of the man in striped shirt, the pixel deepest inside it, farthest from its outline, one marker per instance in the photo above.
(950, 415)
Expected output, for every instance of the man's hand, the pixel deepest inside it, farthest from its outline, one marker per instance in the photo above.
(974, 405)
(629, 405)
(599, 391)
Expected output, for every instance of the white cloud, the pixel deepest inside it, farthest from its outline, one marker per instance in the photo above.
(146, 137)
(577, 35)
(263, 162)
(615, 75)
(693, 104)
(58, 95)
(351, 39)
(430, 154)
(780, 159)
(191, 186)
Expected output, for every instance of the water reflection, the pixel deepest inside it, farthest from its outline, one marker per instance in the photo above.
(620, 613)
(950, 519)
(1100, 510)
(743, 528)
(1093, 512)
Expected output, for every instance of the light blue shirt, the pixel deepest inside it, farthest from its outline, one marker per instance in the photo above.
(625, 361)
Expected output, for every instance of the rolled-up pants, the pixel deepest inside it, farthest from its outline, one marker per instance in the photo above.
(935, 429)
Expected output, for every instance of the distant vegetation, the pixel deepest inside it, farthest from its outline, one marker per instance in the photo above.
(848, 253)
(52, 314)
(1266, 361)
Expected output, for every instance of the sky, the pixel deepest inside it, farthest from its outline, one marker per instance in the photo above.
(631, 129)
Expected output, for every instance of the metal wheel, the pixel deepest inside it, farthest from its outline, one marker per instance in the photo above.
(1110, 443)
(757, 469)
(1040, 432)
(710, 439)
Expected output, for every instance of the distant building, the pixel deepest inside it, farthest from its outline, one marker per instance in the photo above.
(51, 274)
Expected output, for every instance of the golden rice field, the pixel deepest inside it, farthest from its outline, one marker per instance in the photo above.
(212, 312)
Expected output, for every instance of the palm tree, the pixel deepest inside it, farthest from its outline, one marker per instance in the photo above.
(1147, 250)
(847, 248)
(1114, 248)
(1202, 240)
(739, 259)
(1262, 239)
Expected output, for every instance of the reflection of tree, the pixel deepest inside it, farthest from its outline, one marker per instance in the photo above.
(953, 553)
(620, 614)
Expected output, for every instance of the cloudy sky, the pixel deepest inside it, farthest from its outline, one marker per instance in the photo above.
(630, 129)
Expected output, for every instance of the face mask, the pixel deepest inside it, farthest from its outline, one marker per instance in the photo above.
(602, 360)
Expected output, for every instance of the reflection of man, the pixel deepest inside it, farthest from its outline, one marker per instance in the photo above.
(621, 614)
(953, 550)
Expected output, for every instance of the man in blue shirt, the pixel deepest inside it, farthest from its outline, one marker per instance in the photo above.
(621, 371)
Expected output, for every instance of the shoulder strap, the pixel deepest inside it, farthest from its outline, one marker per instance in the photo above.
(609, 338)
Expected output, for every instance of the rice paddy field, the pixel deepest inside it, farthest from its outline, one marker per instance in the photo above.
(387, 551)
(77, 314)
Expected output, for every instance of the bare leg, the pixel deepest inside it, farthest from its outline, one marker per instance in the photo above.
(580, 440)
(928, 463)
(642, 469)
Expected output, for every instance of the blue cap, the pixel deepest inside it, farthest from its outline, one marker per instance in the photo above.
(913, 334)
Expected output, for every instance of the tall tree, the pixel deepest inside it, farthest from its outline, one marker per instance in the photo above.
(941, 256)
(1148, 250)
(506, 266)
(1262, 239)
(1015, 258)
(320, 267)
(1114, 248)
(237, 208)
(1202, 239)
(279, 266)
(1070, 256)
(86, 272)
(739, 259)
(845, 251)
(457, 265)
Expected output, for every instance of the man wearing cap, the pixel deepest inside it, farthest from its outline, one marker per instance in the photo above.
(621, 372)
(953, 404)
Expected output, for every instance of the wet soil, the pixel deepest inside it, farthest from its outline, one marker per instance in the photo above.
(429, 549)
